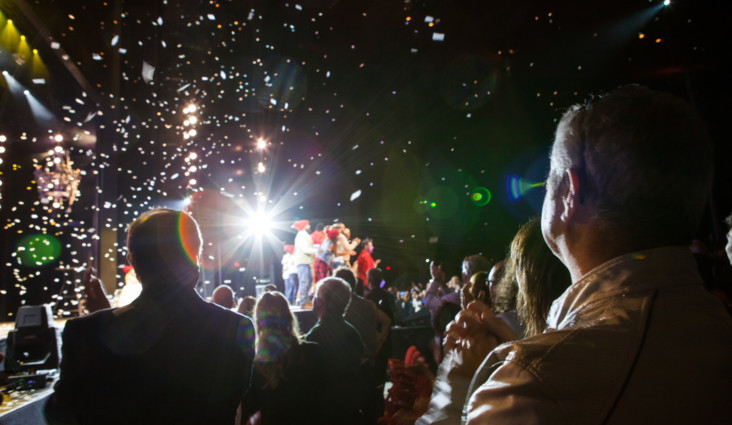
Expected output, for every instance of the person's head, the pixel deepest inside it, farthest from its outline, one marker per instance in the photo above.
(367, 244)
(347, 275)
(728, 248)
(223, 295)
(347, 233)
(502, 287)
(633, 167)
(164, 246)
(332, 296)
(246, 306)
(541, 277)
(455, 283)
(319, 227)
(475, 289)
(301, 225)
(405, 296)
(277, 333)
(270, 287)
(289, 249)
(473, 264)
(374, 277)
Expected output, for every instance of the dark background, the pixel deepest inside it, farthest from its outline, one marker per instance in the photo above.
(350, 96)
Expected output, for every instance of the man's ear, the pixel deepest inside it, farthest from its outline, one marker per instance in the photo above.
(571, 194)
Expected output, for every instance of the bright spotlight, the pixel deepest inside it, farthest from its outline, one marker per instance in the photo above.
(666, 2)
(261, 168)
(258, 224)
(261, 144)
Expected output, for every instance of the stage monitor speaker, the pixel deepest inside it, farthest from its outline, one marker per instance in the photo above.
(34, 343)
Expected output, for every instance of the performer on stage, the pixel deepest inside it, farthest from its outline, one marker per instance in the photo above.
(289, 273)
(365, 261)
(304, 252)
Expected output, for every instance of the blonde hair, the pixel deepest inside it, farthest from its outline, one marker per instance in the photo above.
(277, 337)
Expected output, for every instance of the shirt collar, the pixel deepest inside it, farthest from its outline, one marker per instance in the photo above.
(628, 274)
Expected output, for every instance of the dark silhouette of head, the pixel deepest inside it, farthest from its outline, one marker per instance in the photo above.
(164, 246)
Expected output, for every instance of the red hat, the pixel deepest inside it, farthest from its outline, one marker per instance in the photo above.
(289, 249)
(301, 224)
(126, 268)
(332, 234)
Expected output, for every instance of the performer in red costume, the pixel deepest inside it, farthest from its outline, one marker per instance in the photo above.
(365, 261)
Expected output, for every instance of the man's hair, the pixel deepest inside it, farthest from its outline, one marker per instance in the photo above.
(476, 263)
(335, 294)
(346, 274)
(541, 277)
(164, 245)
(644, 162)
(365, 241)
(374, 277)
(319, 227)
(223, 295)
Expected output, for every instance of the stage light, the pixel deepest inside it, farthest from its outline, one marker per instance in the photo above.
(58, 138)
(666, 2)
(261, 168)
(258, 223)
(261, 144)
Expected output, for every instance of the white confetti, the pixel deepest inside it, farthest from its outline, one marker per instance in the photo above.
(355, 195)
(147, 72)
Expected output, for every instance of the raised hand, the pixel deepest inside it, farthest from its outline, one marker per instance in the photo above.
(96, 299)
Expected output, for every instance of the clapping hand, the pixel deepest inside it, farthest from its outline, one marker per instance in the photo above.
(472, 335)
(96, 299)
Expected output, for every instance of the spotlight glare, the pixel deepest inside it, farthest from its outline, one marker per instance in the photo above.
(261, 144)
(258, 224)
(666, 2)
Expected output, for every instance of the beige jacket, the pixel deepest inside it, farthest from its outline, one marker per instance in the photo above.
(638, 340)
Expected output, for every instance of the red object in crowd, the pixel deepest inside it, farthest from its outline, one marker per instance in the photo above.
(300, 224)
(289, 249)
(332, 234)
(317, 237)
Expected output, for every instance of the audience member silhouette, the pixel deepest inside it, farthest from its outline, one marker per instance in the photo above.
(223, 295)
(286, 369)
(342, 351)
(170, 356)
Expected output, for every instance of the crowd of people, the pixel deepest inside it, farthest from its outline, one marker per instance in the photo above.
(317, 255)
(598, 313)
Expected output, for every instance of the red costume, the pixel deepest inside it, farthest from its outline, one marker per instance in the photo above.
(318, 237)
(365, 263)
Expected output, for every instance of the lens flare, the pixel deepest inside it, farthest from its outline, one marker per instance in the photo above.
(38, 250)
(480, 196)
(517, 187)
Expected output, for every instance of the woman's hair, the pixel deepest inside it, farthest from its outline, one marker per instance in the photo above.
(277, 337)
(541, 277)
(504, 288)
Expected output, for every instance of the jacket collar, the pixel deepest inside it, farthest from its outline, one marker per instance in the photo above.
(626, 275)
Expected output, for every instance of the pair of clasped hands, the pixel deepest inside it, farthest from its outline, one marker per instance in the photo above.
(474, 333)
